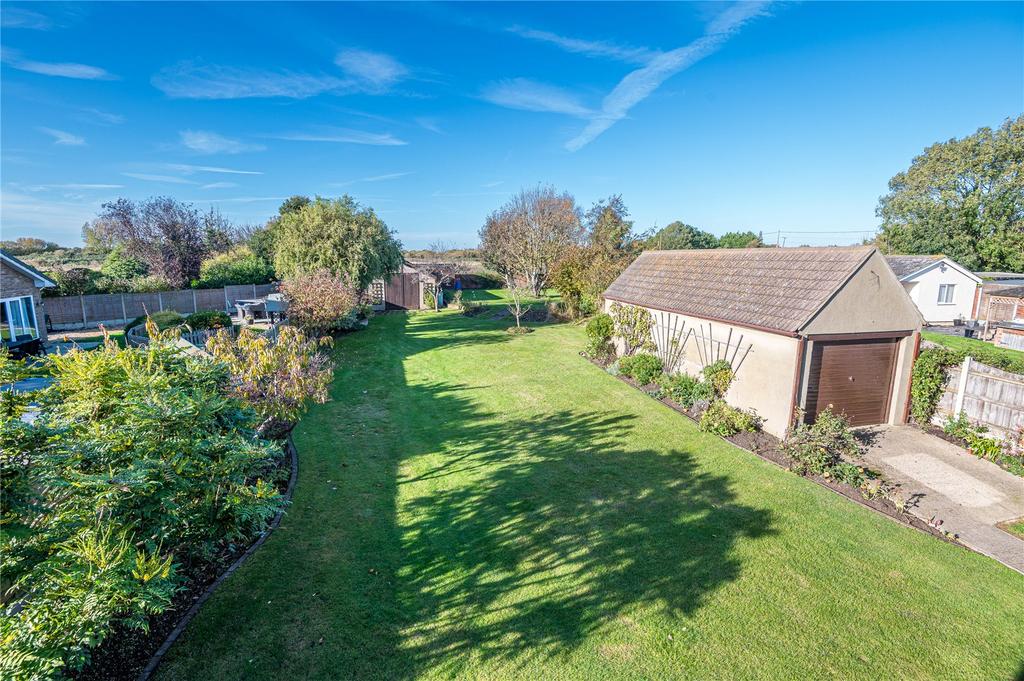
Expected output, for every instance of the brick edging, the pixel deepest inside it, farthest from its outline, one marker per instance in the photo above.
(158, 656)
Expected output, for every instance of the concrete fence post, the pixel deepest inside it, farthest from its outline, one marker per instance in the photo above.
(961, 388)
(124, 312)
(195, 307)
(254, 290)
(160, 300)
(227, 303)
(81, 301)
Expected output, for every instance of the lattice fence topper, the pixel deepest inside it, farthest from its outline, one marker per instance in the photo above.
(377, 292)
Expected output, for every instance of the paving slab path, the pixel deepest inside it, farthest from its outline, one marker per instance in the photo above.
(943, 481)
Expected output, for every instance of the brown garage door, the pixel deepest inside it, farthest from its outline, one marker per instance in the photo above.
(854, 376)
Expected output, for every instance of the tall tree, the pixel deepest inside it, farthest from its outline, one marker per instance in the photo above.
(740, 240)
(163, 233)
(524, 238)
(963, 198)
(339, 236)
(678, 235)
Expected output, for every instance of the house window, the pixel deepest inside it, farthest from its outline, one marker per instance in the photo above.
(946, 294)
(18, 319)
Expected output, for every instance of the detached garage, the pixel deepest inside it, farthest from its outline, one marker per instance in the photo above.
(802, 327)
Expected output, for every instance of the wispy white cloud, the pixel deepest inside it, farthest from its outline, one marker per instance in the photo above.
(430, 125)
(590, 48)
(60, 220)
(19, 17)
(639, 84)
(496, 183)
(206, 142)
(529, 95)
(77, 186)
(374, 178)
(168, 179)
(62, 69)
(373, 71)
(239, 199)
(191, 80)
(362, 71)
(219, 185)
(188, 169)
(63, 138)
(344, 136)
(92, 115)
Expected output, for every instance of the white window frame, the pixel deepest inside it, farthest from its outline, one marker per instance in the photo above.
(30, 310)
(947, 294)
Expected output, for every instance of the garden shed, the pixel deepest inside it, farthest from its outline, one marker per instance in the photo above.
(801, 327)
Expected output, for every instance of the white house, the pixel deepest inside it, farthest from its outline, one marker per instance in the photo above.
(943, 290)
(802, 328)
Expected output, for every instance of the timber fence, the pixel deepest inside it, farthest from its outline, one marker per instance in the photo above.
(66, 313)
(986, 395)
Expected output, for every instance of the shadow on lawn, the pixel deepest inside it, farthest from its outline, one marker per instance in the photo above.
(552, 529)
(453, 535)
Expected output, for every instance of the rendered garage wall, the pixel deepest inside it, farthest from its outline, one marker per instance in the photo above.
(766, 363)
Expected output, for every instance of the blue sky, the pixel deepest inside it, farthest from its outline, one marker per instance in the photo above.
(762, 116)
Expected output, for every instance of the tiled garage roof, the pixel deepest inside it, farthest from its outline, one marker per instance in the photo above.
(779, 289)
(903, 265)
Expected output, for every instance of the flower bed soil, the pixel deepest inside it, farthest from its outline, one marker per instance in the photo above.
(134, 654)
(766, 446)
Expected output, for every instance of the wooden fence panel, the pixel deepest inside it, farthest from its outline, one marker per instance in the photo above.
(138, 304)
(66, 310)
(989, 396)
(179, 301)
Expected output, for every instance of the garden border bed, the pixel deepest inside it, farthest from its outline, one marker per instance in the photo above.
(170, 624)
(183, 622)
(765, 446)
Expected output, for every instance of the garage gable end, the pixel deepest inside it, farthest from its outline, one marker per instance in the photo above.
(872, 300)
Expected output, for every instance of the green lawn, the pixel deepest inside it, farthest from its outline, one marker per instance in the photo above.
(1004, 358)
(477, 505)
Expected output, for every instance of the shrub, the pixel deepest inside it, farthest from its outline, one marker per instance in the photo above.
(600, 329)
(718, 376)
(139, 468)
(165, 319)
(457, 300)
(208, 319)
(928, 380)
(120, 266)
(73, 281)
(633, 326)
(642, 368)
(240, 266)
(684, 389)
(721, 419)
(823, 445)
(429, 301)
(319, 303)
(974, 435)
(278, 378)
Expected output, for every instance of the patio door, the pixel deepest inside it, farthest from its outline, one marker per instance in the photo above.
(18, 320)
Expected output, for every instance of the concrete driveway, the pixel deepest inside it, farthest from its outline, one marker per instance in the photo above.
(942, 481)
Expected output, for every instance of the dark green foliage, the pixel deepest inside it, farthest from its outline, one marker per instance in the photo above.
(929, 377)
(964, 198)
(740, 240)
(721, 419)
(1006, 359)
(139, 463)
(718, 376)
(73, 281)
(120, 266)
(826, 447)
(339, 236)
(642, 368)
(240, 266)
(1007, 454)
(208, 319)
(165, 319)
(600, 329)
(684, 390)
(678, 235)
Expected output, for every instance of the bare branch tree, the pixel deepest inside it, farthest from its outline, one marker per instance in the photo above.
(444, 264)
(523, 239)
(517, 308)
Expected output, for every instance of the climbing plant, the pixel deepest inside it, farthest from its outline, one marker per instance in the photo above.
(633, 327)
(929, 378)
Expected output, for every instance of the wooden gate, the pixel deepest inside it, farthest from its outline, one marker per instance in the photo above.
(402, 292)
